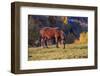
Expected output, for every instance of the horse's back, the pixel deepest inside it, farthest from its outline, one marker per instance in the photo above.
(50, 32)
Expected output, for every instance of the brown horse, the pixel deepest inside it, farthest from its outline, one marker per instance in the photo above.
(49, 33)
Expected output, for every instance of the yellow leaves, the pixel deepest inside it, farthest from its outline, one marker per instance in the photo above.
(83, 38)
(65, 20)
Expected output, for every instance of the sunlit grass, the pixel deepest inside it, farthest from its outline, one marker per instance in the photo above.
(72, 51)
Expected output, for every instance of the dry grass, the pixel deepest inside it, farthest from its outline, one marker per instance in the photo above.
(72, 51)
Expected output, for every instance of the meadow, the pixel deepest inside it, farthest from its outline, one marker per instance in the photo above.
(72, 51)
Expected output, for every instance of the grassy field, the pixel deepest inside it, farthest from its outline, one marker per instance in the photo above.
(72, 51)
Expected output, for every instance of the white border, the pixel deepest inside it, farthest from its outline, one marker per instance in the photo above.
(25, 64)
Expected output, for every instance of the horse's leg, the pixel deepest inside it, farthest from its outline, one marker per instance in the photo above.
(63, 41)
(42, 42)
(46, 44)
(56, 39)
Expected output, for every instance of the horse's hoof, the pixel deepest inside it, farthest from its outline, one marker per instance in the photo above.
(41, 47)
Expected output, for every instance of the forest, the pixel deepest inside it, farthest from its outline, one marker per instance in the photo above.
(73, 27)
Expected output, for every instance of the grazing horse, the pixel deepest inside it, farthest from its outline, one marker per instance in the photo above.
(49, 33)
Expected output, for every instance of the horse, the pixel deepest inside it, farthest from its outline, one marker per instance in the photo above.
(49, 33)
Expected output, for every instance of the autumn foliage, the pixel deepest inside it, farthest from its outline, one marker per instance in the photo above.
(83, 38)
